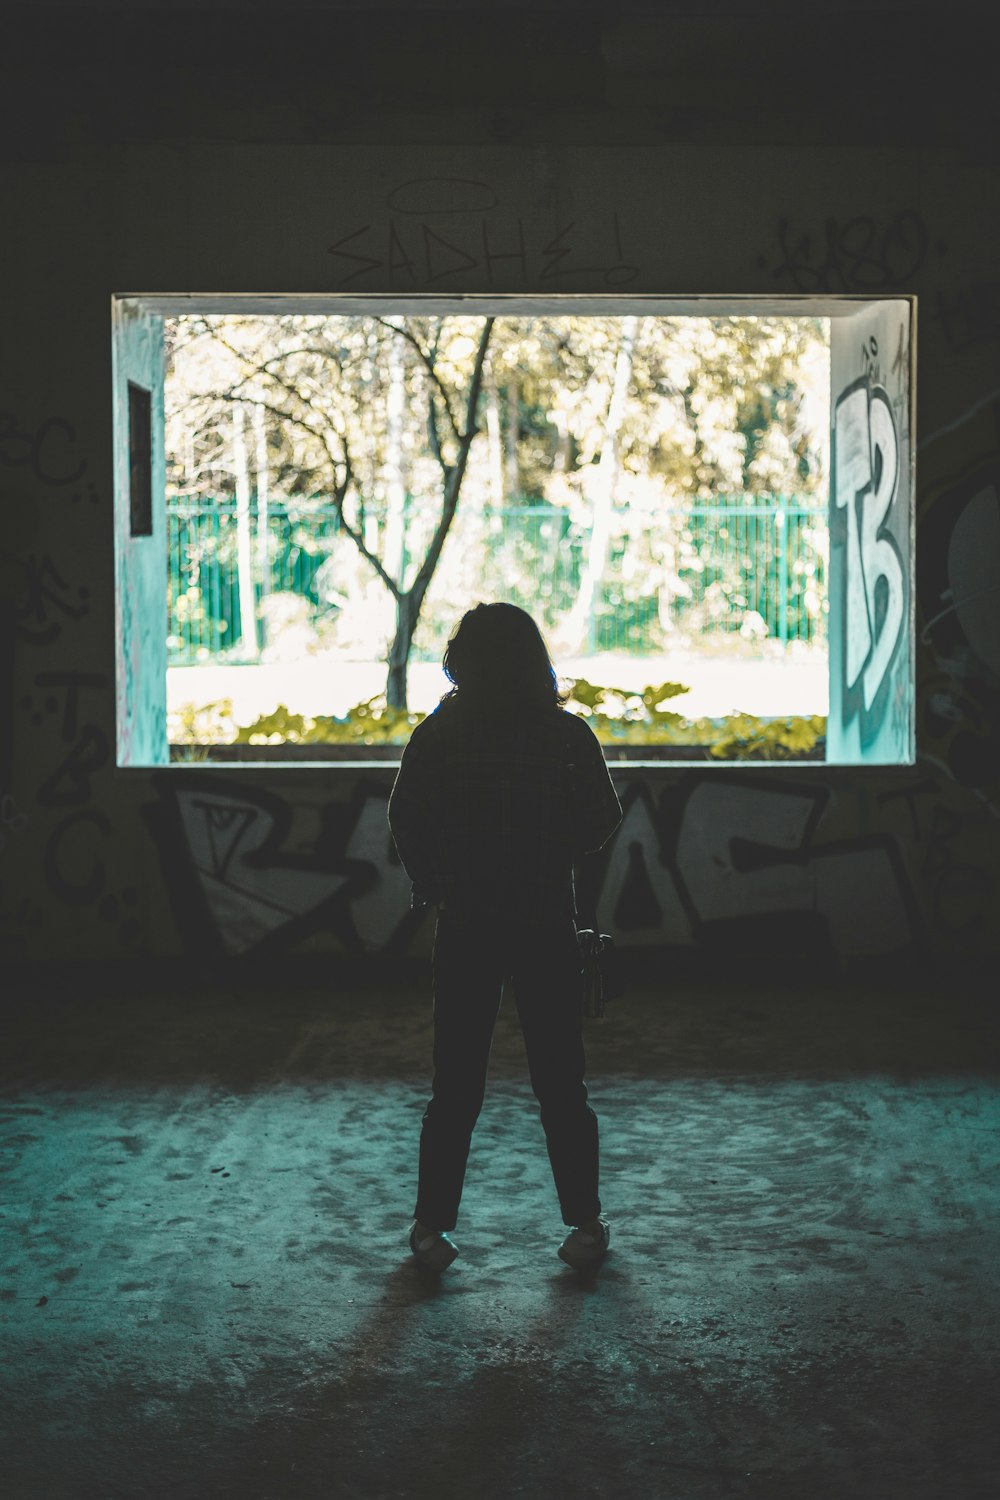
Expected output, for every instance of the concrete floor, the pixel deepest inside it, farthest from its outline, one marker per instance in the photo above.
(206, 1290)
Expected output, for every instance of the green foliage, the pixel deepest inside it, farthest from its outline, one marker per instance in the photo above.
(370, 723)
(632, 715)
(618, 716)
(201, 726)
(749, 738)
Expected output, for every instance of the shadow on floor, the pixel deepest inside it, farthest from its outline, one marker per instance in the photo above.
(206, 1291)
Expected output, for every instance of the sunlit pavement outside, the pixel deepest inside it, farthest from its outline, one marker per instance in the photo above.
(792, 682)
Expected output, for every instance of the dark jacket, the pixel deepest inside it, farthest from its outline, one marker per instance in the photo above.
(489, 814)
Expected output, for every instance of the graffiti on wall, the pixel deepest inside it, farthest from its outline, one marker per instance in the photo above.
(241, 881)
(37, 464)
(953, 804)
(417, 244)
(722, 852)
(718, 851)
(958, 601)
(857, 254)
(872, 254)
(710, 856)
(47, 601)
(75, 854)
(66, 707)
(49, 452)
(874, 607)
(968, 317)
(957, 886)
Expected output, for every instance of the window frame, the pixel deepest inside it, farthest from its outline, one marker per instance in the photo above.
(173, 304)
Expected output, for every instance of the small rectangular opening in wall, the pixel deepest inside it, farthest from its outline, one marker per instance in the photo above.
(140, 460)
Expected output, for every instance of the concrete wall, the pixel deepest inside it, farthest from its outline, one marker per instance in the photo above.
(156, 150)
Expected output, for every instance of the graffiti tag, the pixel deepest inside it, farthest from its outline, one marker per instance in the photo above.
(418, 254)
(741, 853)
(851, 255)
(43, 451)
(47, 602)
(866, 464)
(239, 884)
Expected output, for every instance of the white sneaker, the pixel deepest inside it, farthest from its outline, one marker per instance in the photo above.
(434, 1252)
(581, 1250)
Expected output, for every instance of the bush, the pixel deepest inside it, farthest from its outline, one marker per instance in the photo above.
(618, 716)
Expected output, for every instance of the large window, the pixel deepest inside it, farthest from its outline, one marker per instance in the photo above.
(717, 553)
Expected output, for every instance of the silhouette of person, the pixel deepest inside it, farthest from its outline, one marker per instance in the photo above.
(499, 791)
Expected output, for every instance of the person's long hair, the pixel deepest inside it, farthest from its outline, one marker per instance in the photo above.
(499, 663)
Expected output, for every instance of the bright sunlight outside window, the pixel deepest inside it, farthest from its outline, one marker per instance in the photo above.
(655, 490)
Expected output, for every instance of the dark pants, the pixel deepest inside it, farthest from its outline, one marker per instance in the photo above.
(471, 961)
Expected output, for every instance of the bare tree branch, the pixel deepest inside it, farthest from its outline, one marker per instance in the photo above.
(430, 363)
(455, 475)
(281, 413)
(357, 538)
(340, 488)
(408, 602)
(477, 380)
(434, 438)
(293, 390)
(296, 391)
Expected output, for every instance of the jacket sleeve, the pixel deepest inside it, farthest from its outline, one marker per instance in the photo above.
(415, 814)
(595, 809)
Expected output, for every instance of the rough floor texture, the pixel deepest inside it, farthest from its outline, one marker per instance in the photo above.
(206, 1289)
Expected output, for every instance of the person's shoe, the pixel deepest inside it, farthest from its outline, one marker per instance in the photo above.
(433, 1251)
(581, 1250)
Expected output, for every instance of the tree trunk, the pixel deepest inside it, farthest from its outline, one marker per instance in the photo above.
(512, 476)
(394, 554)
(408, 605)
(263, 495)
(244, 552)
(399, 651)
(494, 437)
(560, 463)
(578, 630)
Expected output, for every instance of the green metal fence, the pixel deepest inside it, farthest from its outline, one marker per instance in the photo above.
(204, 598)
(754, 565)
